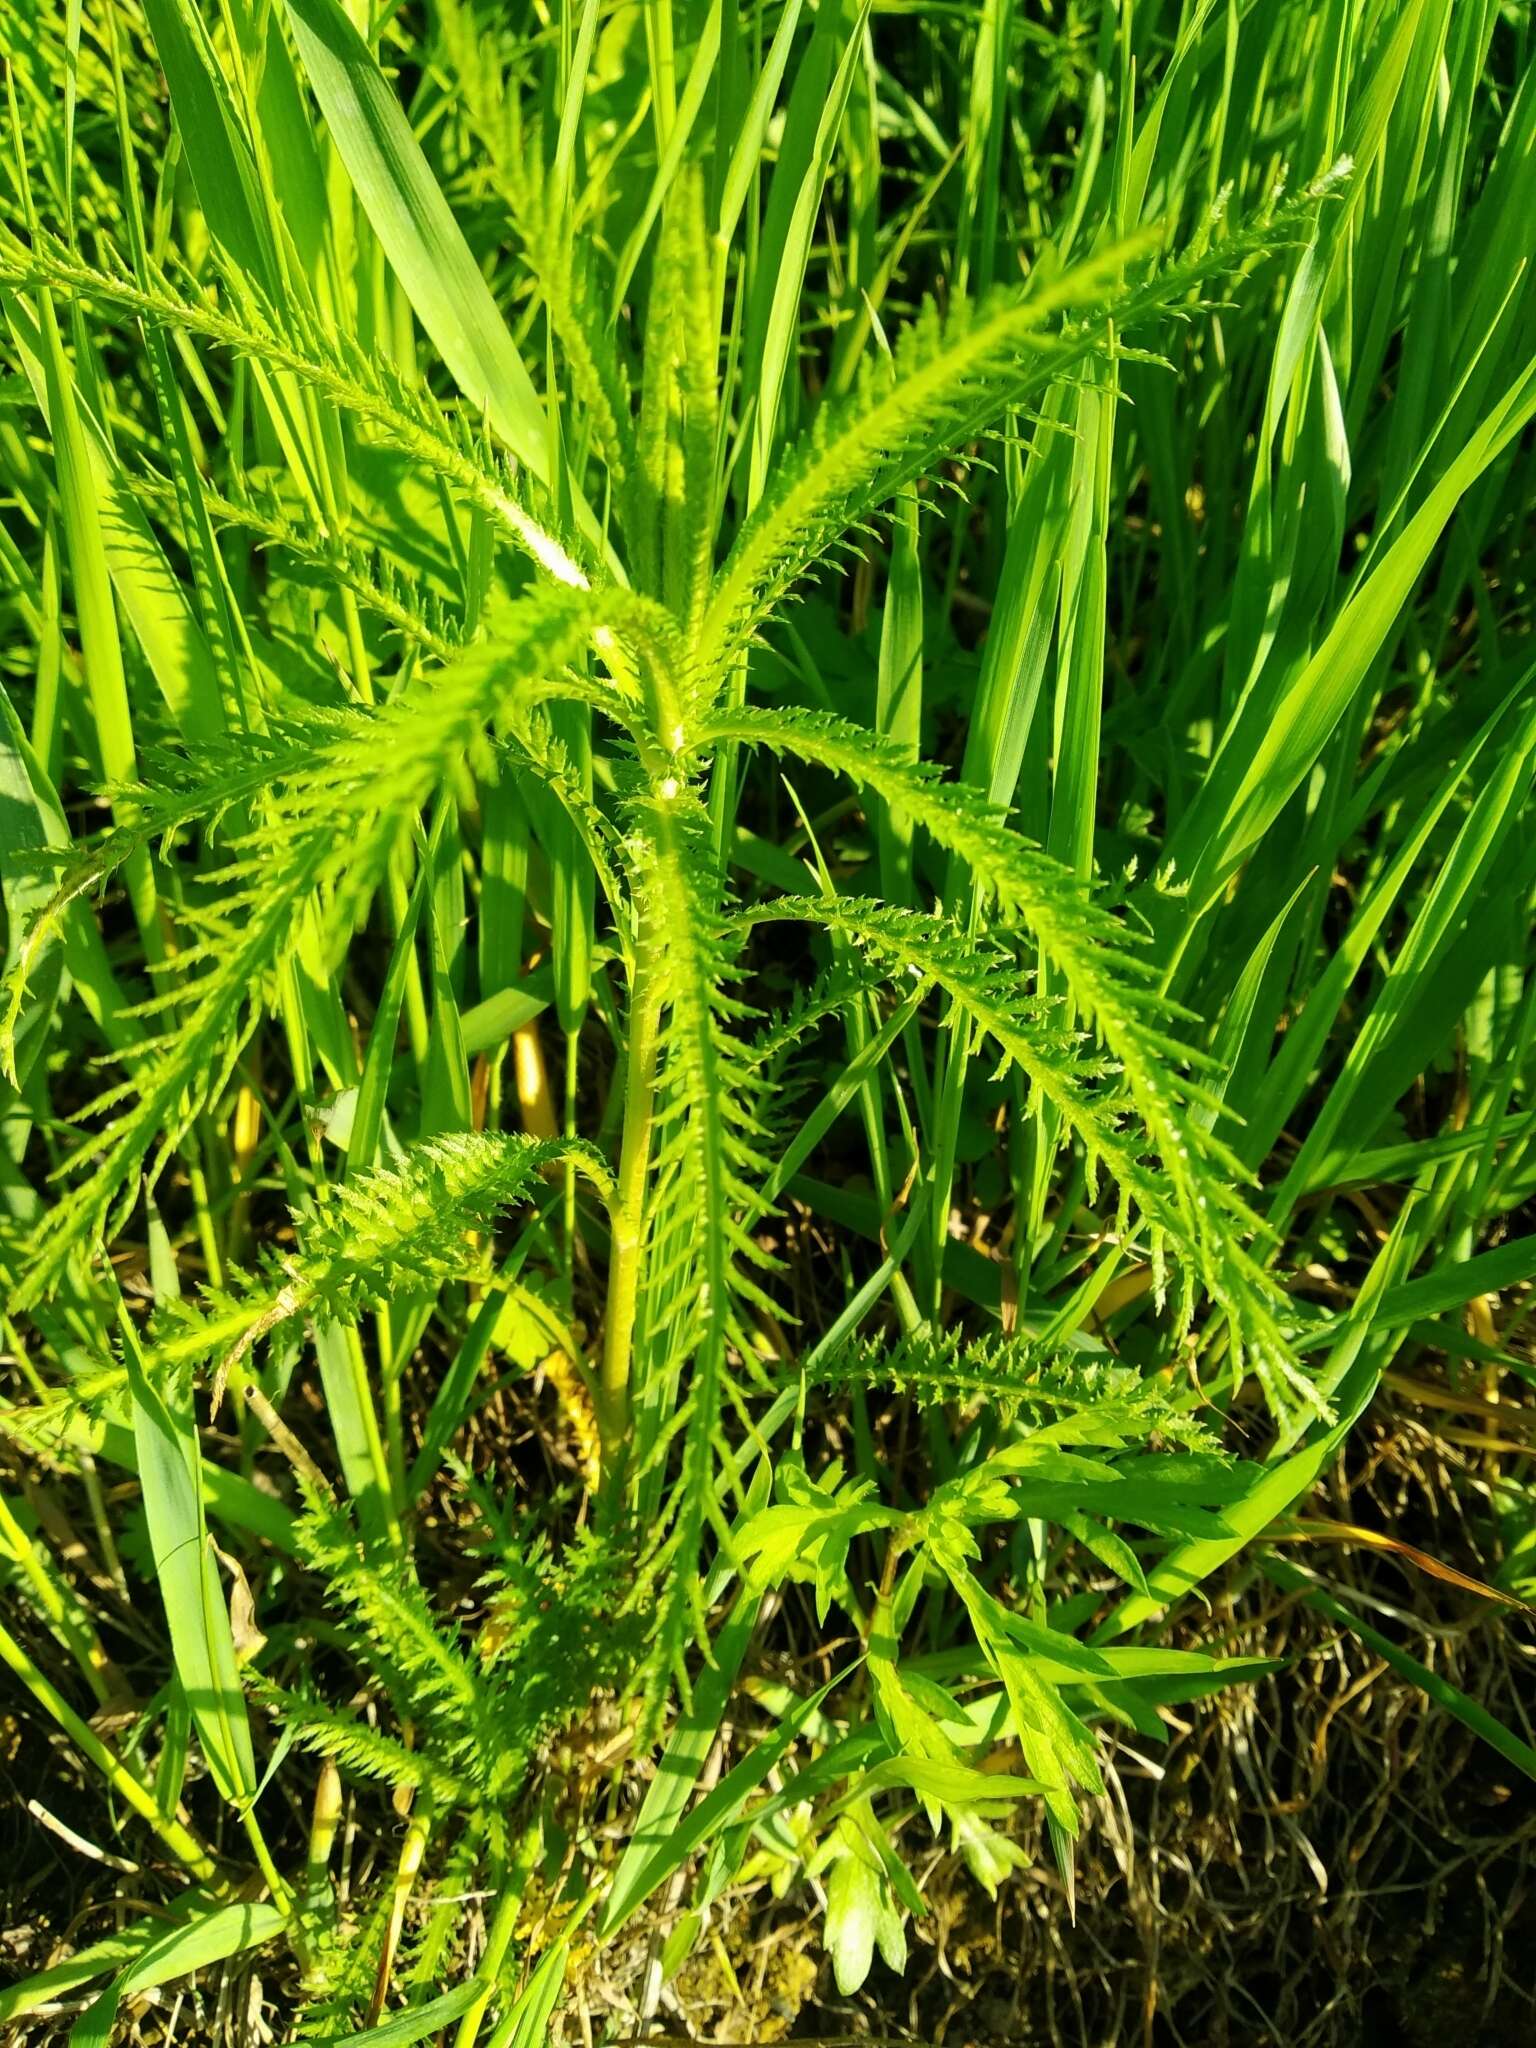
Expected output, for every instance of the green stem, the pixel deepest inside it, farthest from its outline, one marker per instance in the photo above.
(568, 1192)
(390, 1365)
(197, 1184)
(418, 1026)
(68, 1621)
(663, 55)
(384, 1478)
(282, 1896)
(613, 1402)
(502, 1927)
(180, 1840)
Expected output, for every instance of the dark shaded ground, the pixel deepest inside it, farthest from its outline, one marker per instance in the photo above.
(1324, 1860)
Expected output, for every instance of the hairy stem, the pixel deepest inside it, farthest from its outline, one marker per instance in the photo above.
(613, 1403)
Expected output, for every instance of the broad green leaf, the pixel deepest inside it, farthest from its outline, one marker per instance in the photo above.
(196, 1612)
(526, 2025)
(852, 1917)
(218, 154)
(1272, 744)
(213, 1937)
(417, 2021)
(151, 595)
(27, 827)
(650, 1842)
(652, 1855)
(419, 234)
(1362, 1353)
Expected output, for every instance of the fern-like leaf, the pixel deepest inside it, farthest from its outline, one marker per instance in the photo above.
(1190, 1207)
(392, 1230)
(702, 1256)
(360, 1750)
(326, 827)
(946, 383)
(292, 343)
(1108, 982)
(1013, 1376)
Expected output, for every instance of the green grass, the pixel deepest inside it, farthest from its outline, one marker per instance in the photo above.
(765, 887)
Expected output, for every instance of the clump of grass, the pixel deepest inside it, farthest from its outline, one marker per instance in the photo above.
(762, 812)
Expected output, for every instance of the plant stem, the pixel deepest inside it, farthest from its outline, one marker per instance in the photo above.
(502, 1928)
(282, 1895)
(68, 1620)
(568, 1190)
(613, 1403)
(180, 1840)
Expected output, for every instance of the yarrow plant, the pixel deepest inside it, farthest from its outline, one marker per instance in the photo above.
(474, 847)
